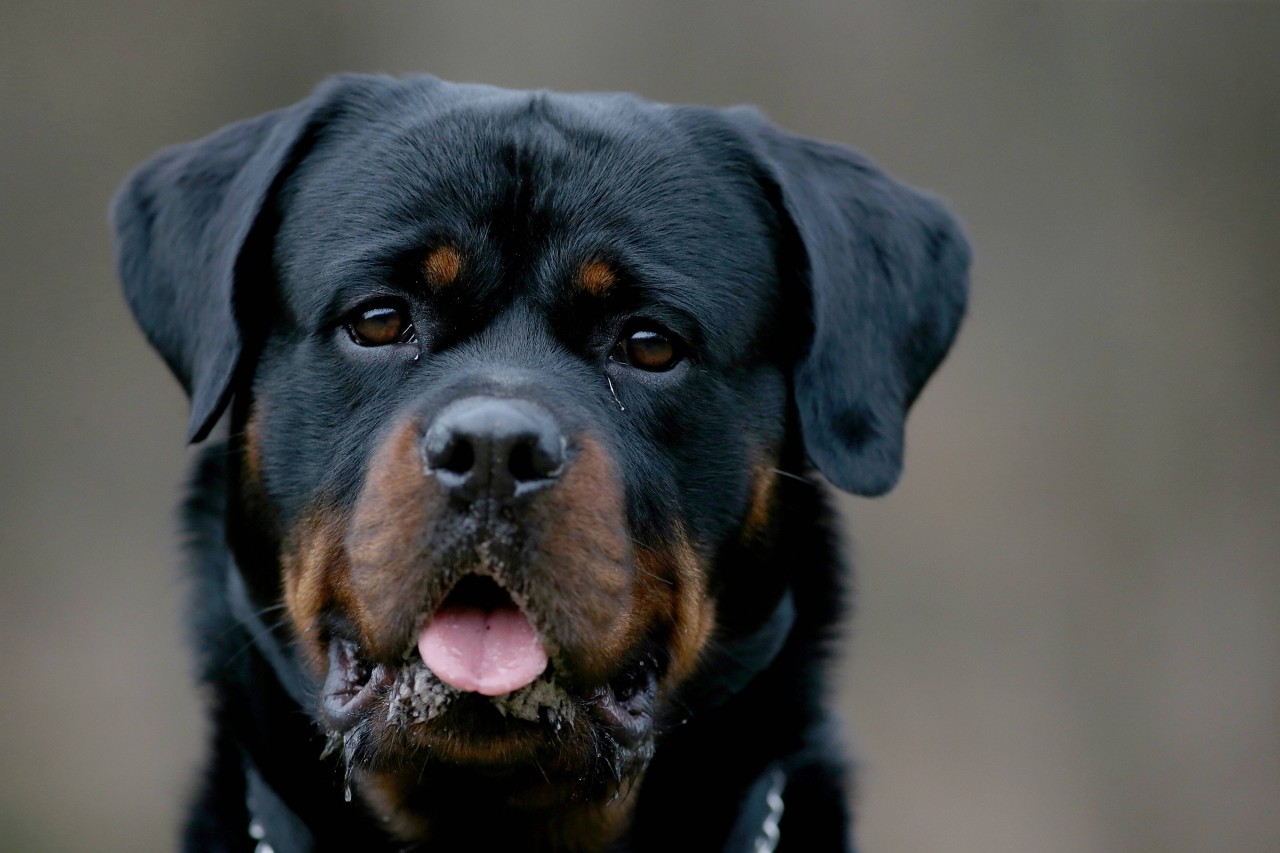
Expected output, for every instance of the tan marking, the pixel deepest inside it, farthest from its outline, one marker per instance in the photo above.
(254, 498)
(314, 566)
(585, 585)
(442, 266)
(596, 277)
(759, 515)
(392, 532)
(253, 444)
(678, 578)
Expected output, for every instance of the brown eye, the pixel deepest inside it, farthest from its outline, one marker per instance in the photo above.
(647, 349)
(380, 326)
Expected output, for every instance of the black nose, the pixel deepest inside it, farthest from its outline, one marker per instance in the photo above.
(486, 447)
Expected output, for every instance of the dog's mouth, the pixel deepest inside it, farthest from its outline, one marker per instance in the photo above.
(480, 667)
(480, 641)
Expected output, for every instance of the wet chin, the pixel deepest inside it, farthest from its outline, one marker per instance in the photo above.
(386, 717)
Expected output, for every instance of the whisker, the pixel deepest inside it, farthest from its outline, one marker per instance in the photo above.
(254, 635)
(795, 477)
(650, 574)
(271, 609)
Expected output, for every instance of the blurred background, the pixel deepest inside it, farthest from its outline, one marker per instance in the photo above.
(1068, 627)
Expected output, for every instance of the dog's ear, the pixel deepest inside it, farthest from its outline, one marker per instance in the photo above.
(887, 272)
(182, 222)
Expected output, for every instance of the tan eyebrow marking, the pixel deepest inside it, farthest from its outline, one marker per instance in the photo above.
(596, 277)
(441, 266)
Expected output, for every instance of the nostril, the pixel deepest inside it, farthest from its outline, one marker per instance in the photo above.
(536, 458)
(458, 457)
(521, 464)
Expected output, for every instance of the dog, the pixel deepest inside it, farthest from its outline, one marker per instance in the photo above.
(512, 536)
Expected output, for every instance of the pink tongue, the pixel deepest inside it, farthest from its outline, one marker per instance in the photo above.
(482, 651)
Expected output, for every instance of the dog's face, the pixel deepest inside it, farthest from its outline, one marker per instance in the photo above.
(514, 376)
(512, 397)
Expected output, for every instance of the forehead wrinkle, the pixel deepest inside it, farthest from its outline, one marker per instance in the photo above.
(633, 194)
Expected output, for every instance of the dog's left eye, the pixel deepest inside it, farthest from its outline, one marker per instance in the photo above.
(380, 325)
(648, 348)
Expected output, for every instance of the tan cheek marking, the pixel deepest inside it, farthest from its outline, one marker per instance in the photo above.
(253, 445)
(442, 266)
(315, 576)
(586, 584)
(391, 536)
(596, 278)
(391, 505)
(677, 579)
(253, 483)
(760, 512)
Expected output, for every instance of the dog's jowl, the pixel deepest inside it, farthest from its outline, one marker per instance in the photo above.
(512, 535)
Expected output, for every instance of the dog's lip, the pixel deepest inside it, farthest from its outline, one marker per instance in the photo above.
(627, 702)
(355, 683)
(351, 685)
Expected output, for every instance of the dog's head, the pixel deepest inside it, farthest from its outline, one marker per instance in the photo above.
(511, 379)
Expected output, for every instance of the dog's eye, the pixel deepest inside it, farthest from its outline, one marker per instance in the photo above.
(647, 348)
(380, 325)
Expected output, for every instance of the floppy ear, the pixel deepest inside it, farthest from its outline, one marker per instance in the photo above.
(887, 270)
(182, 221)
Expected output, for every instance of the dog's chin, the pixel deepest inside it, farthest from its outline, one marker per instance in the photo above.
(391, 715)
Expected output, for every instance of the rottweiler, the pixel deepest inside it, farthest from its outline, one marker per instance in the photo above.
(511, 535)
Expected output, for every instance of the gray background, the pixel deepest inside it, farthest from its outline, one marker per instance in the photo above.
(1068, 634)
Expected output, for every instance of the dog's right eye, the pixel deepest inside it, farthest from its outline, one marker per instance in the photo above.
(381, 325)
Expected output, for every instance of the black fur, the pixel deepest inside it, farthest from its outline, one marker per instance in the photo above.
(815, 296)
